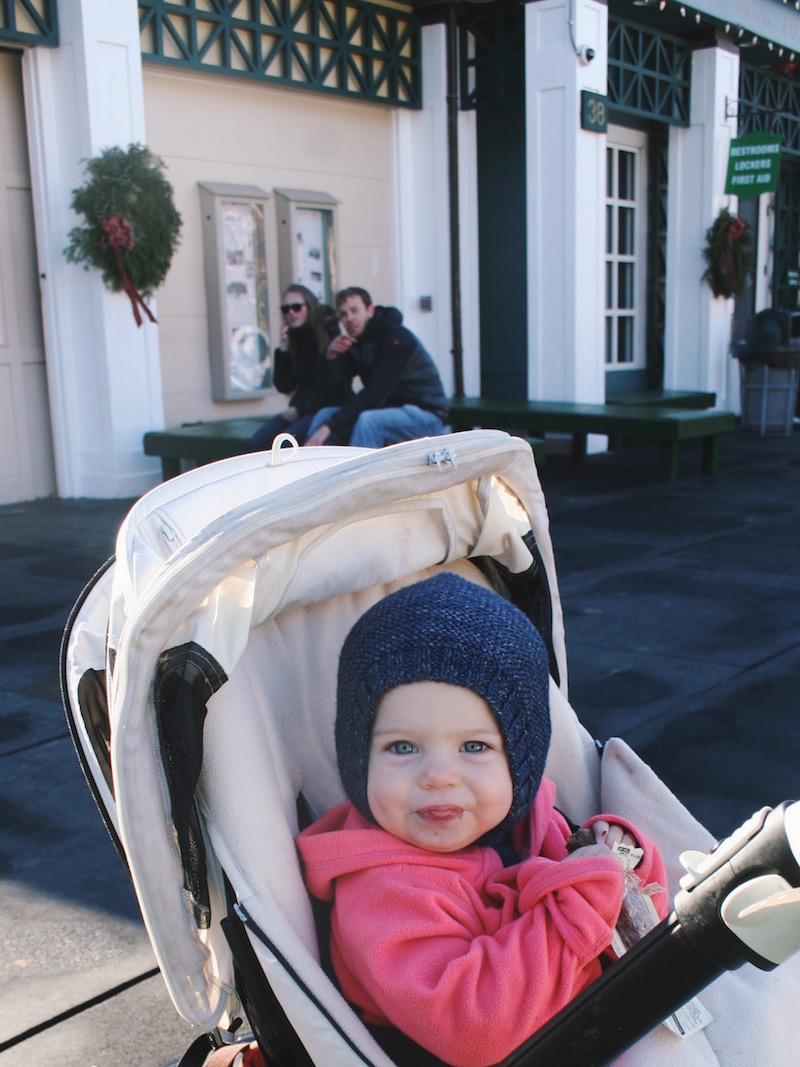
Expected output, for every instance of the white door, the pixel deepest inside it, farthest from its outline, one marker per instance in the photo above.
(26, 447)
(626, 246)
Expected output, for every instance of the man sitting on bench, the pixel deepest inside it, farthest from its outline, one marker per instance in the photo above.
(402, 396)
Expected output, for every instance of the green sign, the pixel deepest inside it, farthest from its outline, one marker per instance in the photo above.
(753, 164)
(594, 111)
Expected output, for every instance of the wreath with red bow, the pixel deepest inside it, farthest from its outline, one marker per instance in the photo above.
(132, 225)
(729, 254)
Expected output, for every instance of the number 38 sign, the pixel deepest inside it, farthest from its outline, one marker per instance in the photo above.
(594, 111)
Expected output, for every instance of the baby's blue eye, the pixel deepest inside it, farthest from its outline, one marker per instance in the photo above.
(402, 748)
(474, 746)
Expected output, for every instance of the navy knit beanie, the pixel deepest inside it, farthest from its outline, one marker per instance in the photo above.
(446, 629)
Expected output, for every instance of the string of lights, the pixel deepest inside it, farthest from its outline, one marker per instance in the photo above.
(744, 37)
(663, 4)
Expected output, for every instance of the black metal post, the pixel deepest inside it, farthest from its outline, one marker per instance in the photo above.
(455, 237)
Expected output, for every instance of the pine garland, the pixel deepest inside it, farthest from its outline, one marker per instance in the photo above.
(729, 254)
(132, 226)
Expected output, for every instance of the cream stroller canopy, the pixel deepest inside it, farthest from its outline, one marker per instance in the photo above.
(199, 678)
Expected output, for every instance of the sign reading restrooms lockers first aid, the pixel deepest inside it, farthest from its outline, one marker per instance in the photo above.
(753, 164)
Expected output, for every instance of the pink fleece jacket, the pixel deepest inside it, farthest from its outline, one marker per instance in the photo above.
(467, 957)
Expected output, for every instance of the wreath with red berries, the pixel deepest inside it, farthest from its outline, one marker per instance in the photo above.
(132, 226)
(728, 252)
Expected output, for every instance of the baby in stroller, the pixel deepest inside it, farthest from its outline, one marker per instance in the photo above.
(200, 633)
(459, 917)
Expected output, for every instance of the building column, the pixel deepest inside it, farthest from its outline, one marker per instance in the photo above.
(421, 231)
(698, 325)
(566, 200)
(104, 376)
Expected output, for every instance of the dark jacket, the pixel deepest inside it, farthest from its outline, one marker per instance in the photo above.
(394, 368)
(303, 377)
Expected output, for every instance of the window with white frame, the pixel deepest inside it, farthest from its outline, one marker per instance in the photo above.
(626, 221)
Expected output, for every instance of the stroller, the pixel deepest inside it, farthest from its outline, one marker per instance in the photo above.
(198, 676)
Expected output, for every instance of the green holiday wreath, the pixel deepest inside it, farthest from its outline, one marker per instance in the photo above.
(728, 252)
(132, 225)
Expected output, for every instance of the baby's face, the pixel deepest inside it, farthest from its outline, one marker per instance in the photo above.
(438, 776)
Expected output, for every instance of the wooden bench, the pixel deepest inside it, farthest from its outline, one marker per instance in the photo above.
(203, 442)
(619, 422)
(664, 398)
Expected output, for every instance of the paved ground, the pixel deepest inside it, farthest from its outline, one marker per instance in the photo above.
(682, 613)
(72, 930)
(682, 607)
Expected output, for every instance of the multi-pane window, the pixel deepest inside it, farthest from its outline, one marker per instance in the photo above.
(624, 281)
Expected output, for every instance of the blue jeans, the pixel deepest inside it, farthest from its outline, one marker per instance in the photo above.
(385, 426)
(264, 436)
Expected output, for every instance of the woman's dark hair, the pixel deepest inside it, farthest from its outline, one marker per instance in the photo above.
(315, 320)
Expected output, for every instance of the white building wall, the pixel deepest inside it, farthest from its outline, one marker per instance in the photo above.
(109, 381)
(26, 449)
(470, 271)
(420, 208)
(103, 371)
(566, 197)
(421, 203)
(224, 129)
(698, 325)
(765, 244)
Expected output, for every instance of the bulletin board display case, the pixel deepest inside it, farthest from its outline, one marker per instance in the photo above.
(307, 243)
(235, 222)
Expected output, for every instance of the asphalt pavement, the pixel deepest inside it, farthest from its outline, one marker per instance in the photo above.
(682, 613)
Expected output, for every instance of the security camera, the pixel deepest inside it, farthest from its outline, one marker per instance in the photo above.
(585, 55)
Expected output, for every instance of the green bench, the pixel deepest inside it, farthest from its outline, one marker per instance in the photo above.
(664, 398)
(203, 442)
(619, 422)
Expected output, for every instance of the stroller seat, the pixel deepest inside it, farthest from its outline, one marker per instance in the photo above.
(219, 629)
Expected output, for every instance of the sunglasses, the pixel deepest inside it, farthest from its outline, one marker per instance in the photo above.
(286, 308)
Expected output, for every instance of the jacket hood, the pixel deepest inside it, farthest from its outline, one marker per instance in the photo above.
(327, 855)
(383, 317)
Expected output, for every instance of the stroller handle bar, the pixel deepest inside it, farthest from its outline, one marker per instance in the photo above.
(744, 897)
(739, 903)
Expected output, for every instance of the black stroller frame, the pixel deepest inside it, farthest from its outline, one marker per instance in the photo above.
(236, 574)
